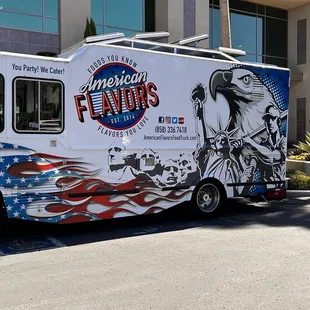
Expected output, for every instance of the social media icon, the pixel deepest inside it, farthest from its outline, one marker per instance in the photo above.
(174, 120)
(181, 120)
(161, 119)
(168, 120)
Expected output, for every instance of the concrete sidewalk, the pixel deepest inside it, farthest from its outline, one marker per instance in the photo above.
(297, 193)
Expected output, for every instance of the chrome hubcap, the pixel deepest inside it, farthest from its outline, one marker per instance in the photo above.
(208, 198)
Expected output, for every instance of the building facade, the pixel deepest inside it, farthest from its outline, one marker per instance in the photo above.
(270, 31)
(29, 26)
(109, 16)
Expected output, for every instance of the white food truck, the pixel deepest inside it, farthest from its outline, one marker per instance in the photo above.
(119, 126)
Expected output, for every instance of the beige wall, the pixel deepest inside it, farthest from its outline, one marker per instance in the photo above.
(299, 89)
(202, 20)
(73, 21)
(161, 16)
(176, 19)
(169, 17)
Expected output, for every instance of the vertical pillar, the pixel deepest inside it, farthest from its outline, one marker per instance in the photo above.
(72, 26)
(202, 20)
(189, 16)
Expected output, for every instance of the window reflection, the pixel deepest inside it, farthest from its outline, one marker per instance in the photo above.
(31, 7)
(29, 15)
(259, 38)
(276, 37)
(51, 8)
(258, 31)
(275, 12)
(149, 18)
(128, 17)
(244, 6)
(50, 25)
(281, 62)
(21, 21)
(124, 14)
(243, 32)
(215, 41)
(97, 11)
(99, 29)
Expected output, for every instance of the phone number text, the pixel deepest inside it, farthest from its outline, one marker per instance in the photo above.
(170, 129)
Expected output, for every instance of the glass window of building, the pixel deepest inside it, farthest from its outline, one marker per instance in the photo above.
(128, 17)
(34, 15)
(259, 30)
(124, 14)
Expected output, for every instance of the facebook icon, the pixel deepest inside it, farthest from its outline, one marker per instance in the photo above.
(161, 119)
(174, 120)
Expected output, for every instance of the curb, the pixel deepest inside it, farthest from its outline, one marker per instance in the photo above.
(297, 193)
(291, 193)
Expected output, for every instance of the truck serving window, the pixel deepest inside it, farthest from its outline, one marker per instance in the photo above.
(38, 106)
(1, 102)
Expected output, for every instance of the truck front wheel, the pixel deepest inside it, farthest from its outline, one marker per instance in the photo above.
(207, 198)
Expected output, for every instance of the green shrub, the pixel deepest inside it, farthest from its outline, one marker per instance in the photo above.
(302, 156)
(90, 28)
(299, 180)
(298, 154)
(301, 150)
(304, 146)
(294, 151)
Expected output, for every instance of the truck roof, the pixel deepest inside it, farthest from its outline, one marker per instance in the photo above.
(148, 41)
(186, 47)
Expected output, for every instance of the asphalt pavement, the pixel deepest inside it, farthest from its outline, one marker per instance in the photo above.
(253, 256)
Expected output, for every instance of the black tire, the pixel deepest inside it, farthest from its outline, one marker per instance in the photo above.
(3, 217)
(4, 227)
(208, 198)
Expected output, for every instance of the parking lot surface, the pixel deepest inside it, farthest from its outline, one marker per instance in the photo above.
(254, 256)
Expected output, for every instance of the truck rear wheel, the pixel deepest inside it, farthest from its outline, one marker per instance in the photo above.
(208, 198)
(3, 217)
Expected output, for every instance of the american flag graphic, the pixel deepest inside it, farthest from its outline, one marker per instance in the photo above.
(97, 100)
(41, 186)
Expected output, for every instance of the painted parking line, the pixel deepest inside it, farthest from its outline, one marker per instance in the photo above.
(28, 244)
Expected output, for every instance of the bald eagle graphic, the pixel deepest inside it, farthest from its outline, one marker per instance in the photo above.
(246, 95)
